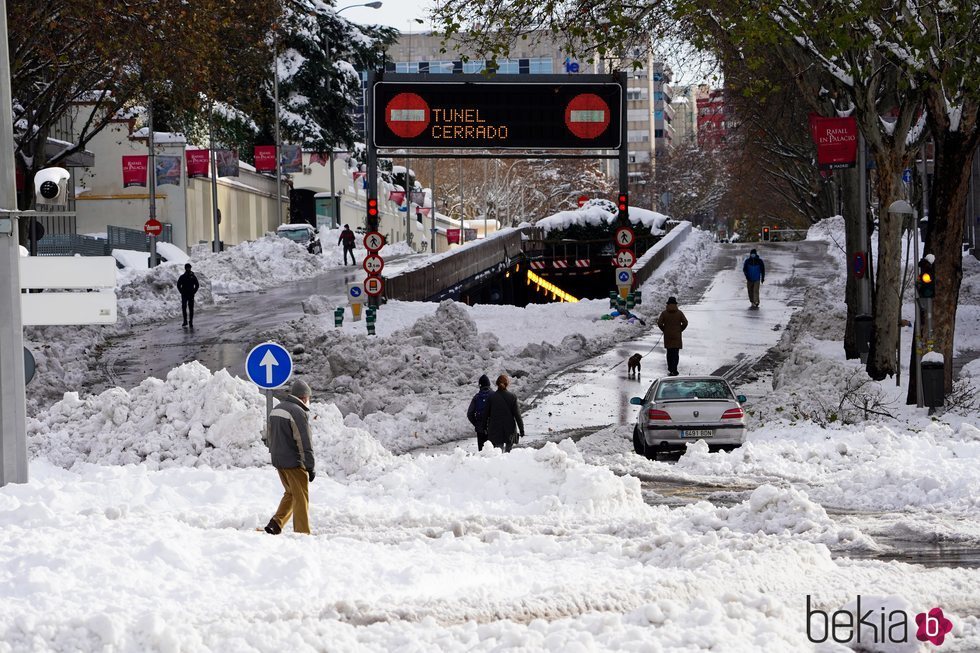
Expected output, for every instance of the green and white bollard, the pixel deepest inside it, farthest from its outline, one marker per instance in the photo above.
(638, 296)
(338, 316)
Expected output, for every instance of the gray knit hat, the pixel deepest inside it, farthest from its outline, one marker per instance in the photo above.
(300, 389)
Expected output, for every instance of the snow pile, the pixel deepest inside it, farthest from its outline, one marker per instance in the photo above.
(522, 483)
(787, 512)
(144, 295)
(596, 215)
(193, 418)
(410, 386)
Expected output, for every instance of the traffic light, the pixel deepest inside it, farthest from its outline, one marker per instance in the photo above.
(51, 186)
(372, 213)
(624, 206)
(927, 279)
(765, 234)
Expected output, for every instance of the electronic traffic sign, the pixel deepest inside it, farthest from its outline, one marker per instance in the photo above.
(507, 111)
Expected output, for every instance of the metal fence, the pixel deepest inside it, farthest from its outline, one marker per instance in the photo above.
(72, 244)
(125, 238)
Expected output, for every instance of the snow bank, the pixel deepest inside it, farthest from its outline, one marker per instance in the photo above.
(598, 215)
(193, 418)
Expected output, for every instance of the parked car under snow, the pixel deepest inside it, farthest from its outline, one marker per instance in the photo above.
(303, 234)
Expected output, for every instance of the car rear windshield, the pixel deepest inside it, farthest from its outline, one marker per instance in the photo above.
(299, 235)
(694, 389)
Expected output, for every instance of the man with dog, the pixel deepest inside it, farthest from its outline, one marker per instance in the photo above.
(672, 322)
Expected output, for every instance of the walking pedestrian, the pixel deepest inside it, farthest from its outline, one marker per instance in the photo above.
(292, 455)
(672, 322)
(503, 416)
(347, 239)
(187, 286)
(477, 412)
(755, 275)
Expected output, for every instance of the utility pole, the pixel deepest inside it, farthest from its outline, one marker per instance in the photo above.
(13, 400)
(275, 85)
(216, 245)
(152, 178)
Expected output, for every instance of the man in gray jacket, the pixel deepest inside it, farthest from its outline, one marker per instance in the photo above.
(292, 455)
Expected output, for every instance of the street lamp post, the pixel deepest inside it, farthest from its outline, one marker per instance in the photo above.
(335, 205)
(901, 207)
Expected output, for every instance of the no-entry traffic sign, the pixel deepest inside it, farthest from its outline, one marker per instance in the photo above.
(587, 115)
(153, 227)
(373, 241)
(374, 286)
(582, 199)
(373, 264)
(407, 115)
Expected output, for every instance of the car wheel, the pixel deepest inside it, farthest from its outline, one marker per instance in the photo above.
(638, 444)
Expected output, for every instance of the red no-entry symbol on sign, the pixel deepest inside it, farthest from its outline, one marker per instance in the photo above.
(153, 227)
(407, 115)
(587, 115)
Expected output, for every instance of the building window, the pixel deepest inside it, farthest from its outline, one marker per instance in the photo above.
(440, 67)
(406, 67)
(541, 66)
(508, 67)
(474, 66)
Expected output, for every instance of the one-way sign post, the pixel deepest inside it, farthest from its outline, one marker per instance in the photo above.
(268, 366)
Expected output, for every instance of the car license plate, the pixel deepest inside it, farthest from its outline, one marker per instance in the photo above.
(697, 433)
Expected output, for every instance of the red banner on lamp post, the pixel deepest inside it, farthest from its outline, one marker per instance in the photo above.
(836, 140)
(198, 162)
(265, 158)
(134, 170)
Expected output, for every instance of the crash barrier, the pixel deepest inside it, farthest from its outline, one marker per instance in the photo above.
(455, 267)
(661, 251)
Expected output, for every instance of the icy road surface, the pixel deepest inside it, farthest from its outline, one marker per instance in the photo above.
(723, 336)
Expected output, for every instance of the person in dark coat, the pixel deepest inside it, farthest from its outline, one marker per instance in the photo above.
(477, 412)
(503, 416)
(672, 322)
(187, 286)
(348, 240)
(291, 448)
(755, 275)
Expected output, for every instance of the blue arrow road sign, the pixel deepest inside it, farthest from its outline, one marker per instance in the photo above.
(269, 365)
(355, 291)
(623, 276)
(907, 175)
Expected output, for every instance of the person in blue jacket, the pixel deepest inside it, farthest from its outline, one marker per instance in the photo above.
(755, 275)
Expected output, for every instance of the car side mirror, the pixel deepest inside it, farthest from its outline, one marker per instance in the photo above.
(636, 401)
(741, 399)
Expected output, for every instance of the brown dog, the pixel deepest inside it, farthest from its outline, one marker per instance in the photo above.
(633, 366)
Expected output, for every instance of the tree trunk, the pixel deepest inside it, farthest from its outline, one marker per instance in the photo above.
(944, 235)
(853, 224)
(883, 357)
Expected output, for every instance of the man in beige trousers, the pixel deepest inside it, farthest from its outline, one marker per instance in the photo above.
(292, 455)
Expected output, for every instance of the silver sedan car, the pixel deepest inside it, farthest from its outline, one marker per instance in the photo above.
(677, 410)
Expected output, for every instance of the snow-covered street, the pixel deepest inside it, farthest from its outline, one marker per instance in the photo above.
(138, 532)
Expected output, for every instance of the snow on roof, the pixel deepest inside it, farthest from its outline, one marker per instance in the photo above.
(301, 226)
(596, 216)
(160, 137)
